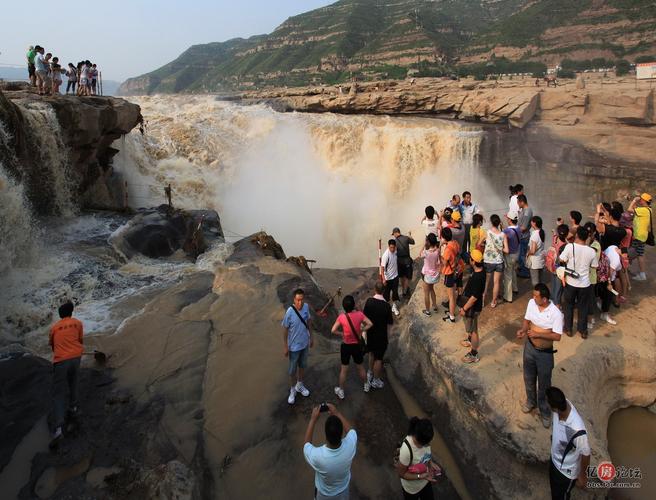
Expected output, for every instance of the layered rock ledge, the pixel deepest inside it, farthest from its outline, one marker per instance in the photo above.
(614, 117)
(87, 128)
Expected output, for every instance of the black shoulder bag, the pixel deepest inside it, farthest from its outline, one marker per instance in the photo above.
(361, 341)
(650, 235)
(570, 444)
(301, 318)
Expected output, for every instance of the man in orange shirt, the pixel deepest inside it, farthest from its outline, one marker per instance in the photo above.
(450, 257)
(66, 342)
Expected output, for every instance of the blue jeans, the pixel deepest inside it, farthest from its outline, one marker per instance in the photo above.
(556, 289)
(522, 270)
(297, 359)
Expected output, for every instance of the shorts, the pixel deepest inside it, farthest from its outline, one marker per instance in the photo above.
(431, 280)
(41, 75)
(451, 280)
(346, 351)
(471, 323)
(297, 359)
(639, 247)
(493, 268)
(376, 347)
(405, 270)
(31, 69)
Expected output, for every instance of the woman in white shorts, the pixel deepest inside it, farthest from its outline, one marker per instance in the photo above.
(430, 271)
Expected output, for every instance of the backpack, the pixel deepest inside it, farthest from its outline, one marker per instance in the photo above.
(603, 270)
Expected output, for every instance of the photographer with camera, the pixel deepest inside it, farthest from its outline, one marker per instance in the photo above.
(578, 258)
(332, 461)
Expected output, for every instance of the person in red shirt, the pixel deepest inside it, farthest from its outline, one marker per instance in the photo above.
(67, 346)
(452, 279)
(353, 325)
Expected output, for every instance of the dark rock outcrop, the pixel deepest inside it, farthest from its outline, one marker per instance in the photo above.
(162, 231)
(87, 126)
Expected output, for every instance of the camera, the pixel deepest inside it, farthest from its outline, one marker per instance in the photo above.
(572, 273)
(323, 407)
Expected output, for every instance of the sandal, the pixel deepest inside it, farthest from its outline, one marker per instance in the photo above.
(493, 304)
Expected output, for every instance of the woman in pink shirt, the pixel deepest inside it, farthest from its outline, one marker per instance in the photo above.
(353, 324)
(430, 272)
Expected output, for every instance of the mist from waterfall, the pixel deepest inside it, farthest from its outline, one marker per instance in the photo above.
(325, 186)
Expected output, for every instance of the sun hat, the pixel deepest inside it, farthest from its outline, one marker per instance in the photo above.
(512, 215)
(476, 256)
(456, 216)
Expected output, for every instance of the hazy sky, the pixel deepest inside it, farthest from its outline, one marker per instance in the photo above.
(129, 38)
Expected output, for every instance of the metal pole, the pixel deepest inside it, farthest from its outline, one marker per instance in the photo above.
(380, 258)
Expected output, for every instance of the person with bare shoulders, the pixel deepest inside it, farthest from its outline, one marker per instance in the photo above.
(542, 326)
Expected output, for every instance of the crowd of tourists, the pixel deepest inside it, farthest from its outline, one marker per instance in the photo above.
(582, 264)
(46, 73)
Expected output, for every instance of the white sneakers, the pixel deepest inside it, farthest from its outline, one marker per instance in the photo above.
(640, 277)
(606, 317)
(340, 392)
(377, 383)
(370, 376)
(395, 309)
(301, 389)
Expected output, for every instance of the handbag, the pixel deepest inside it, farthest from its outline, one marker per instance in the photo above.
(650, 235)
(361, 341)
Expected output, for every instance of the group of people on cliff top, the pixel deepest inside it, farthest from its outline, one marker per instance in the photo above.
(46, 73)
(583, 263)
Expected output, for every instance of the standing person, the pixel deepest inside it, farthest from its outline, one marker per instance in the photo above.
(31, 69)
(515, 191)
(552, 260)
(66, 341)
(570, 449)
(403, 258)
(389, 270)
(380, 313)
(47, 83)
(535, 255)
(542, 326)
(525, 215)
(640, 207)
(298, 341)
(332, 461)
(594, 271)
(416, 468)
(605, 285)
(94, 79)
(578, 258)
(575, 218)
(510, 259)
(430, 221)
(468, 210)
(449, 258)
(496, 245)
(608, 226)
(56, 71)
(71, 73)
(457, 230)
(41, 68)
(626, 221)
(473, 305)
(430, 272)
(351, 323)
(477, 234)
(454, 203)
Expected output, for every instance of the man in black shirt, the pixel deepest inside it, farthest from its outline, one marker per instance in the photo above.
(380, 313)
(404, 260)
(470, 310)
(608, 227)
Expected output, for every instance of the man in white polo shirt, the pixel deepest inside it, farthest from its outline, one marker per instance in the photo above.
(543, 325)
(578, 258)
(570, 450)
(389, 270)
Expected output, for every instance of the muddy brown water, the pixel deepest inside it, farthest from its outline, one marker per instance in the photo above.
(632, 443)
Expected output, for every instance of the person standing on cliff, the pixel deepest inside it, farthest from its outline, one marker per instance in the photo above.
(389, 270)
(640, 207)
(570, 449)
(430, 221)
(542, 326)
(31, 69)
(66, 341)
(403, 243)
(298, 341)
(510, 258)
(41, 68)
(380, 313)
(472, 306)
(468, 210)
(524, 217)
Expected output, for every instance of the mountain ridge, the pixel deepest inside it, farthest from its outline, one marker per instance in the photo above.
(373, 39)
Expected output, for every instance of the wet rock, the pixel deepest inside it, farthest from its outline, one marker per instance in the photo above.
(255, 246)
(171, 481)
(161, 232)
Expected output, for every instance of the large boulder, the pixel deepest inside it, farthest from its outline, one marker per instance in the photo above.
(163, 231)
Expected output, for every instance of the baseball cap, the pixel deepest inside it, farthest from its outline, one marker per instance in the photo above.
(396, 230)
(456, 216)
(476, 255)
(512, 215)
(646, 197)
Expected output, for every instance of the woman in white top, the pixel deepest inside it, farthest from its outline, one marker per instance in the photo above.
(536, 255)
(496, 244)
(430, 221)
(430, 271)
(515, 191)
(415, 466)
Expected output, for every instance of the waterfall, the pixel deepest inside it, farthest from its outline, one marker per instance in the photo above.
(51, 155)
(326, 186)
